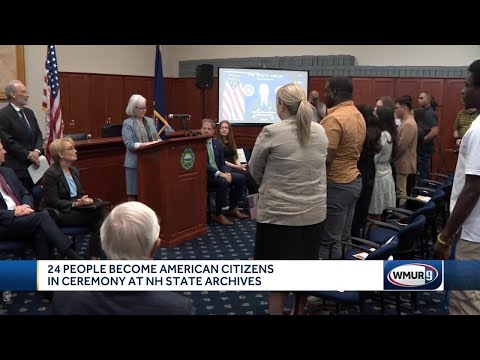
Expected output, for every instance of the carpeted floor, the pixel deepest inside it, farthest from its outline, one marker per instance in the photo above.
(227, 243)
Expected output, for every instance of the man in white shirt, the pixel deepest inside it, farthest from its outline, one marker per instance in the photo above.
(463, 223)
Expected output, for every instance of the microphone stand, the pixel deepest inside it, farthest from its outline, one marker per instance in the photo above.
(185, 126)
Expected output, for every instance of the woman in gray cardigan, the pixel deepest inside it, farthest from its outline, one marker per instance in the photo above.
(137, 131)
(288, 161)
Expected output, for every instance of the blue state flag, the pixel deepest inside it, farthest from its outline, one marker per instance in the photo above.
(158, 105)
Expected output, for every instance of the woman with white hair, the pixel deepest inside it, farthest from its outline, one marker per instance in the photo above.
(137, 131)
(130, 232)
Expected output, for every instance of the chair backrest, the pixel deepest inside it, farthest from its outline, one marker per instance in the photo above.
(386, 250)
(78, 136)
(37, 193)
(438, 195)
(111, 130)
(429, 209)
(408, 237)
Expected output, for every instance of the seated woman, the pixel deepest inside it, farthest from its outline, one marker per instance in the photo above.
(63, 191)
(226, 137)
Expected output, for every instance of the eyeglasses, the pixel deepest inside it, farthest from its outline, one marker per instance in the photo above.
(140, 108)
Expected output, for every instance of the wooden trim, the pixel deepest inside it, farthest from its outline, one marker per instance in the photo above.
(19, 69)
(20, 51)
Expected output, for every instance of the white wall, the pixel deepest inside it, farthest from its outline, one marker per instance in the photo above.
(374, 55)
(140, 59)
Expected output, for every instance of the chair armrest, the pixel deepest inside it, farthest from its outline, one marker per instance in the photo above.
(391, 210)
(365, 242)
(413, 199)
(104, 203)
(425, 188)
(399, 210)
(439, 175)
(427, 182)
(382, 224)
(346, 244)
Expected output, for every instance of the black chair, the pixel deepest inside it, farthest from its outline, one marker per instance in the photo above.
(372, 251)
(70, 231)
(78, 136)
(402, 217)
(111, 130)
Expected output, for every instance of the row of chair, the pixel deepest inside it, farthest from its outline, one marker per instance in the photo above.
(400, 233)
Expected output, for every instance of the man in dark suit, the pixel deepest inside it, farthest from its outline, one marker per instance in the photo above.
(20, 133)
(18, 219)
(220, 177)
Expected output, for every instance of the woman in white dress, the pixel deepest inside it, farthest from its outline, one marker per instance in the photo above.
(384, 188)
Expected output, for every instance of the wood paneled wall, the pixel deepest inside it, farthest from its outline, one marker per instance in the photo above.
(89, 100)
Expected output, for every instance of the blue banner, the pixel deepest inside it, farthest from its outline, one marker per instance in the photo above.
(19, 275)
(159, 102)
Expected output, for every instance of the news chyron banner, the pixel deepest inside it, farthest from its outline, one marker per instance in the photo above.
(239, 275)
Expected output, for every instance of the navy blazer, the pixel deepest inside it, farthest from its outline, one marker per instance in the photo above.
(56, 193)
(17, 141)
(219, 159)
(22, 194)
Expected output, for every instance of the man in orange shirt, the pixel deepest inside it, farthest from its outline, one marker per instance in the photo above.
(346, 129)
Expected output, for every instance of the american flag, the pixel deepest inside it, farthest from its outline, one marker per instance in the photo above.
(51, 100)
(233, 104)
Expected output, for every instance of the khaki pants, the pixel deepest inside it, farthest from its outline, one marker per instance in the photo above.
(401, 187)
(465, 302)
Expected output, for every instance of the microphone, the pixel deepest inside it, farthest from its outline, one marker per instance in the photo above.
(180, 116)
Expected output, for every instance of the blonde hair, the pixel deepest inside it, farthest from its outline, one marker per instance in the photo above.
(58, 146)
(293, 97)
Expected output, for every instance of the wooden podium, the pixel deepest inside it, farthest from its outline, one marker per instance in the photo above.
(172, 180)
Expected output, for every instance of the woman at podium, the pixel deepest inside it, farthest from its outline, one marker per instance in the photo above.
(137, 131)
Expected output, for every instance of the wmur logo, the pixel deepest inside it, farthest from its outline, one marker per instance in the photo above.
(413, 275)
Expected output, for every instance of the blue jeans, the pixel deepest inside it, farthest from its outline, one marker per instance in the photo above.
(423, 166)
(341, 200)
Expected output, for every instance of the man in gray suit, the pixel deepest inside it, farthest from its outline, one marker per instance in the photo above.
(20, 133)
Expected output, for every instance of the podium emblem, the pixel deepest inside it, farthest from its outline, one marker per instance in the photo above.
(188, 159)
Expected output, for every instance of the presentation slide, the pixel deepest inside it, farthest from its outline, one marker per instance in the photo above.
(247, 96)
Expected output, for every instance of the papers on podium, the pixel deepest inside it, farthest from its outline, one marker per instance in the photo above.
(241, 156)
(36, 172)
